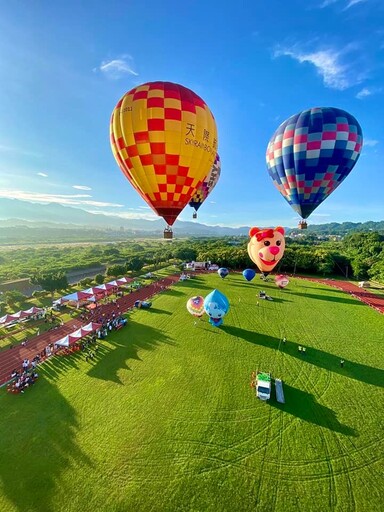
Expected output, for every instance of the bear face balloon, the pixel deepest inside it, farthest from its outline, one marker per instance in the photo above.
(266, 247)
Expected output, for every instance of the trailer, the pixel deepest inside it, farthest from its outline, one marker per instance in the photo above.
(279, 391)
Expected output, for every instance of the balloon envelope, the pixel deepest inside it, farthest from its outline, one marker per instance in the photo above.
(195, 305)
(203, 191)
(281, 281)
(249, 274)
(164, 139)
(216, 306)
(311, 153)
(266, 247)
(223, 272)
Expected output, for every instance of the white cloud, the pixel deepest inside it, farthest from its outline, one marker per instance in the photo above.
(327, 63)
(128, 215)
(42, 174)
(349, 4)
(370, 142)
(65, 199)
(367, 91)
(339, 69)
(81, 187)
(363, 93)
(327, 2)
(116, 68)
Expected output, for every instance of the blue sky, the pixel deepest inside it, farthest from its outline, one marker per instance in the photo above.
(64, 66)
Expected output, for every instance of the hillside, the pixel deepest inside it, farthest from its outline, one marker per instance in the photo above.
(22, 221)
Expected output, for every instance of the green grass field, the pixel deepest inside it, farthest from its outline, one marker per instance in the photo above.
(165, 418)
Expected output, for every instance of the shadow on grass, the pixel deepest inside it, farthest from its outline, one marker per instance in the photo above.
(315, 288)
(195, 283)
(162, 311)
(330, 298)
(172, 291)
(303, 405)
(37, 442)
(325, 360)
(122, 346)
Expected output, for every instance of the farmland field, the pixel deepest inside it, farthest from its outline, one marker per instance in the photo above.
(165, 419)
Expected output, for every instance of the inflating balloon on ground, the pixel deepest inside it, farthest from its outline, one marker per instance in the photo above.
(195, 305)
(281, 281)
(216, 306)
(249, 274)
(223, 272)
(311, 153)
(266, 247)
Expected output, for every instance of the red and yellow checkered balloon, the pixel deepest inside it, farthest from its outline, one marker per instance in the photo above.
(164, 139)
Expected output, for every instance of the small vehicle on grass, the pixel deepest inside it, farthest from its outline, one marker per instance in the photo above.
(263, 385)
(263, 295)
(143, 304)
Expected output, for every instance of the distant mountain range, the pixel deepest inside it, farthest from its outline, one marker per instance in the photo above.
(26, 220)
(14, 212)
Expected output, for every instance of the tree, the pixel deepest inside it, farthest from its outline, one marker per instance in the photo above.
(115, 270)
(185, 254)
(86, 282)
(51, 282)
(99, 279)
(12, 297)
(135, 263)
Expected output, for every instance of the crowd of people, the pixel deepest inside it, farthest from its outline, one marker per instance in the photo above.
(24, 378)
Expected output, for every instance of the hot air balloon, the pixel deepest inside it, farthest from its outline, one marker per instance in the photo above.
(281, 281)
(266, 247)
(195, 305)
(249, 274)
(223, 272)
(310, 154)
(203, 191)
(164, 139)
(216, 306)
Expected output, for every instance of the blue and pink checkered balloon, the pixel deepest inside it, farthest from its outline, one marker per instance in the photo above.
(311, 153)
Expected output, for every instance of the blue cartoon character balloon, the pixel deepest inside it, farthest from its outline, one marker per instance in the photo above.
(249, 274)
(311, 153)
(216, 306)
(223, 272)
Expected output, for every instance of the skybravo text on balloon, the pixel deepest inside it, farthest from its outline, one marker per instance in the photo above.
(202, 145)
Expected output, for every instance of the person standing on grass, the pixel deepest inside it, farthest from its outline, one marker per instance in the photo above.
(342, 363)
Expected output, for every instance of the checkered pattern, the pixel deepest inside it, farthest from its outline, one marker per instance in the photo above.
(311, 153)
(203, 191)
(164, 139)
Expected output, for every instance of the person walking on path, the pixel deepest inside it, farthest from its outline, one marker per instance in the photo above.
(342, 363)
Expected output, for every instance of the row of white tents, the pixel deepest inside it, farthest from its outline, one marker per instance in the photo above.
(20, 315)
(78, 334)
(88, 295)
(92, 294)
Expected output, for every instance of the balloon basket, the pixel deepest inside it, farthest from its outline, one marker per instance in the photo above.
(168, 233)
(302, 224)
(194, 216)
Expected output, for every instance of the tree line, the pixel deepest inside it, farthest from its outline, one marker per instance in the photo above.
(357, 256)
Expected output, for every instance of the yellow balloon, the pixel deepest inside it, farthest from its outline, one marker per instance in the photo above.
(164, 139)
